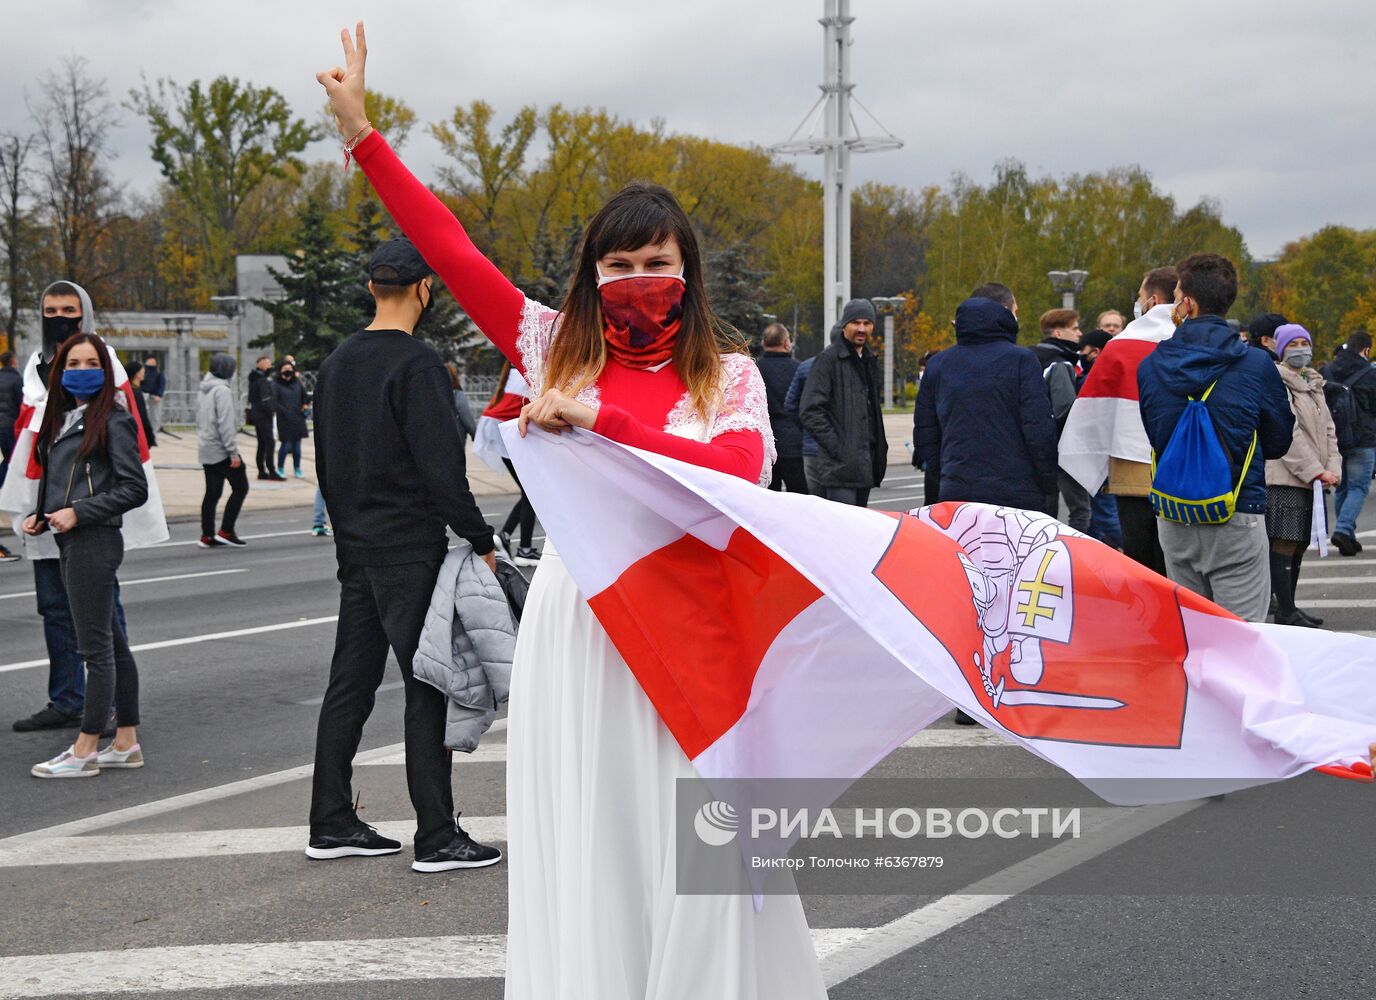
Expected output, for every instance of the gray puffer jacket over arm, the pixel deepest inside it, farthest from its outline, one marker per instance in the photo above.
(466, 646)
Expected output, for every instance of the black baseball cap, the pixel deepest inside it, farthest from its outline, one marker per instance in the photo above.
(397, 262)
(1095, 338)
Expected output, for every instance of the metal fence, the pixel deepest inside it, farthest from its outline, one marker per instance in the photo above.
(179, 406)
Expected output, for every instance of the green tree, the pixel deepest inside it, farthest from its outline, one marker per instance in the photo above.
(486, 166)
(320, 305)
(217, 145)
(735, 289)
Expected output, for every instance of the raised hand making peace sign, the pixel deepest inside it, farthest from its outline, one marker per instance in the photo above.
(345, 86)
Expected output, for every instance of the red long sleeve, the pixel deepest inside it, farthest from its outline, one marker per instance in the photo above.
(737, 453)
(490, 300)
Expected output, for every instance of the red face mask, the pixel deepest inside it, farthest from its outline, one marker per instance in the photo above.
(641, 316)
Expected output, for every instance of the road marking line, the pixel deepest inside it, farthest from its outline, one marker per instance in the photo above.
(944, 738)
(487, 753)
(879, 944)
(267, 534)
(915, 496)
(1337, 581)
(844, 952)
(187, 800)
(271, 963)
(394, 685)
(123, 848)
(928, 739)
(135, 583)
(208, 967)
(191, 640)
(1352, 602)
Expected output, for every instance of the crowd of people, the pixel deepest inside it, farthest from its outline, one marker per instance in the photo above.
(1201, 449)
(1075, 424)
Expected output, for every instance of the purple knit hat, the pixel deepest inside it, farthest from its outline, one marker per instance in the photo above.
(1287, 333)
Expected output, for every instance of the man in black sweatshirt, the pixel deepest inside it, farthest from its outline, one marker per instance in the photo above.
(391, 467)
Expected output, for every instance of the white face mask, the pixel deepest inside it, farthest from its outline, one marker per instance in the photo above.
(1137, 310)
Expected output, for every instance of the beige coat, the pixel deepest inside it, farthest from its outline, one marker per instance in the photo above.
(1315, 446)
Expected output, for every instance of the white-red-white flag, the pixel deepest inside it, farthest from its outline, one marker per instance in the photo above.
(1105, 421)
(785, 636)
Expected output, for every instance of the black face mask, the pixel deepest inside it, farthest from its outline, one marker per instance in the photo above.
(425, 303)
(56, 329)
(287, 376)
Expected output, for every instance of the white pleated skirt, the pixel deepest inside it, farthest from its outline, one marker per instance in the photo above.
(591, 774)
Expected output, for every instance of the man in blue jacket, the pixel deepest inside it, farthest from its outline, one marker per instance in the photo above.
(983, 426)
(1226, 563)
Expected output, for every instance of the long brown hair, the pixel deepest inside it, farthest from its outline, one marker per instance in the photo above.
(501, 384)
(60, 401)
(640, 215)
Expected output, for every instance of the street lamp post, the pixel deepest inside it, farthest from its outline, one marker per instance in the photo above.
(887, 308)
(1069, 284)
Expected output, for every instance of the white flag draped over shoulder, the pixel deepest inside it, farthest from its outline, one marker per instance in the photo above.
(781, 635)
(144, 525)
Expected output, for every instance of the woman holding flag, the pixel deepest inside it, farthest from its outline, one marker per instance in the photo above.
(635, 354)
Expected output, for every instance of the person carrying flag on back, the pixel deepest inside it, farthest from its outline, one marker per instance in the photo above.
(1104, 442)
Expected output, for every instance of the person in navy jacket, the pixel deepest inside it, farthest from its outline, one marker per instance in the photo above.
(983, 426)
(1227, 563)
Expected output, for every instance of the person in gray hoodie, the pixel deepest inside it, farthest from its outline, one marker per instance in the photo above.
(217, 449)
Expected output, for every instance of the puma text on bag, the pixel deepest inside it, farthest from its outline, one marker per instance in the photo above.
(1192, 481)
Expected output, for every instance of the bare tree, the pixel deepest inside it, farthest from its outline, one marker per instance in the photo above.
(15, 226)
(77, 195)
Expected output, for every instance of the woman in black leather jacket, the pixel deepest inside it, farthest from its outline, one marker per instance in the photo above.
(92, 475)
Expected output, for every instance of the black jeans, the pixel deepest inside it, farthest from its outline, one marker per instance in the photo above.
(1140, 540)
(1077, 502)
(263, 457)
(523, 513)
(848, 495)
(788, 475)
(381, 606)
(215, 478)
(90, 558)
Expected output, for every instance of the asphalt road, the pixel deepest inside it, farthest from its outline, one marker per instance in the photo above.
(186, 878)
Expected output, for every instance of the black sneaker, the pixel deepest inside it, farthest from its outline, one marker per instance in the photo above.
(360, 842)
(223, 537)
(526, 557)
(47, 717)
(505, 538)
(1347, 544)
(462, 851)
(1313, 618)
(964, 720)
(7, 556)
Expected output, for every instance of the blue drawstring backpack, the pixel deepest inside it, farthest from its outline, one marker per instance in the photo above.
(1192, 483)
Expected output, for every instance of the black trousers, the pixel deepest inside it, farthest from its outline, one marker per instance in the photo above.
(523, 513)
(263, 457)
(1140, 540)
(90, 559)
(789, 475)
(382, 606)
(215, 478)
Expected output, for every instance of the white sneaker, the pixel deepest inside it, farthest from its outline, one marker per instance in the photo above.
(67, 765)
(110, 757)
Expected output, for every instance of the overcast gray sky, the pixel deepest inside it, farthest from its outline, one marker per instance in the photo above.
(1266, 106)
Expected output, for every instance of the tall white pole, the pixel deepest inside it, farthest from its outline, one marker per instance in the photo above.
(841, 288)
(832, 233)
(839, 139)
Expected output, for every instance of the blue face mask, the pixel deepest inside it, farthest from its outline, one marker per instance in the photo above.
(83, 383)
